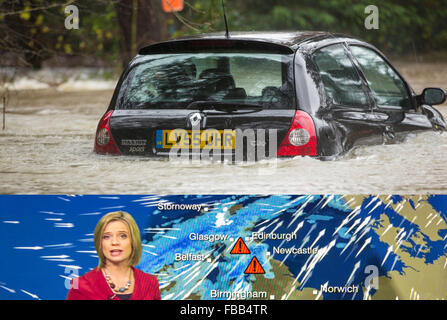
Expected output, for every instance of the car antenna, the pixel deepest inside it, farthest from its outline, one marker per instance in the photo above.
(227, 33)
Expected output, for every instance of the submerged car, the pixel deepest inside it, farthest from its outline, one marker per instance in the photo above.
(279, 94)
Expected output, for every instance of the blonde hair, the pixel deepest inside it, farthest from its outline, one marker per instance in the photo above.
(135, 238)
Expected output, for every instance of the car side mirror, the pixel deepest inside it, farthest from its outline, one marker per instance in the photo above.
(433, 96)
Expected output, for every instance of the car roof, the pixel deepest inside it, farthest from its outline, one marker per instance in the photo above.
(285, 38)
(290, 39)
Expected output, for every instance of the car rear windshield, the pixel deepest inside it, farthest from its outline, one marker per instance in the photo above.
(175, 81)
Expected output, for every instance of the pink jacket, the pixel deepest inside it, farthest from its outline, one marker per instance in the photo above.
(93, 286)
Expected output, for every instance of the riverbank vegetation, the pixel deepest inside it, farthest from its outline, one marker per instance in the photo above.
(33, 33)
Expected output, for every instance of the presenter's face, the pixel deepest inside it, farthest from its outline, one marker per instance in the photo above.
(116, 244)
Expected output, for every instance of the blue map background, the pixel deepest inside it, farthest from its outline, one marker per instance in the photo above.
(45, 240)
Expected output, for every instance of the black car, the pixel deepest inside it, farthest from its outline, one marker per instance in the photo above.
(276, 94)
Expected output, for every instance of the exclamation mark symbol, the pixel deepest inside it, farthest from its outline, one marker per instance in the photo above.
(240, 247)
(254, 267)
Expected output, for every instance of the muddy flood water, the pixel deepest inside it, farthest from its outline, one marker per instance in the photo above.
(47, 148)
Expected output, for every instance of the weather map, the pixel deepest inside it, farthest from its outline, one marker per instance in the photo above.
(237, 247)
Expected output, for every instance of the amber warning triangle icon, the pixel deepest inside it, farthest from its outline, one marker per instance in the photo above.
(240, 247)
(254, 267)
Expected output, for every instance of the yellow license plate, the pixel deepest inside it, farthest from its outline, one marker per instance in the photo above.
(195, 139)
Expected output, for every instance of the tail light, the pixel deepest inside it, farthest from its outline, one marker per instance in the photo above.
(301, 139)
(104, 143)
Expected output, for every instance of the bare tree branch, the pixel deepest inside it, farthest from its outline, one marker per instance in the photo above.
(4, 14)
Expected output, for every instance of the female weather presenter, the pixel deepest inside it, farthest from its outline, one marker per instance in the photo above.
(118, 244)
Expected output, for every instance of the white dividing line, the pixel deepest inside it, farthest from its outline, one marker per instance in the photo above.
(356, 266)
(362, 225)
(300, 225)
(322, 232)
(399, 233)
(30, 294)
(152, 253)
(346, 220)
(279, 225)
(285, 258)
(149, 199)
(8, 289)
(387, 228)
(371, 202)
(192, 276)
(163, 229)
(232, 244)
(290, 292)
(167, 297)
(368, 241)
(351, 241)
(162, 286)
(378, 204)
(53, 213)
(356, 222)
(390, 249)
(169, 237)
(29, 248)
(394, 263)
(366, 295)
(58, 245)
(60, 260)
(90, 214)
(329, 199)
(66, 277)
(320, 292)
(431, 220)
(63, 225)
(272, 223)
(70, 266)
(182, 267)
(64, 256)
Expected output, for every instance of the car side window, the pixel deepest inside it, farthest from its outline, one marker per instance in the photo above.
(340, 78)
(387, 87)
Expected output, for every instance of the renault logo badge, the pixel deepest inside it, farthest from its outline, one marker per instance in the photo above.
(195, 119)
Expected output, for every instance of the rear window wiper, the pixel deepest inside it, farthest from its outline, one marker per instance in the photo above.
(223, 105)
